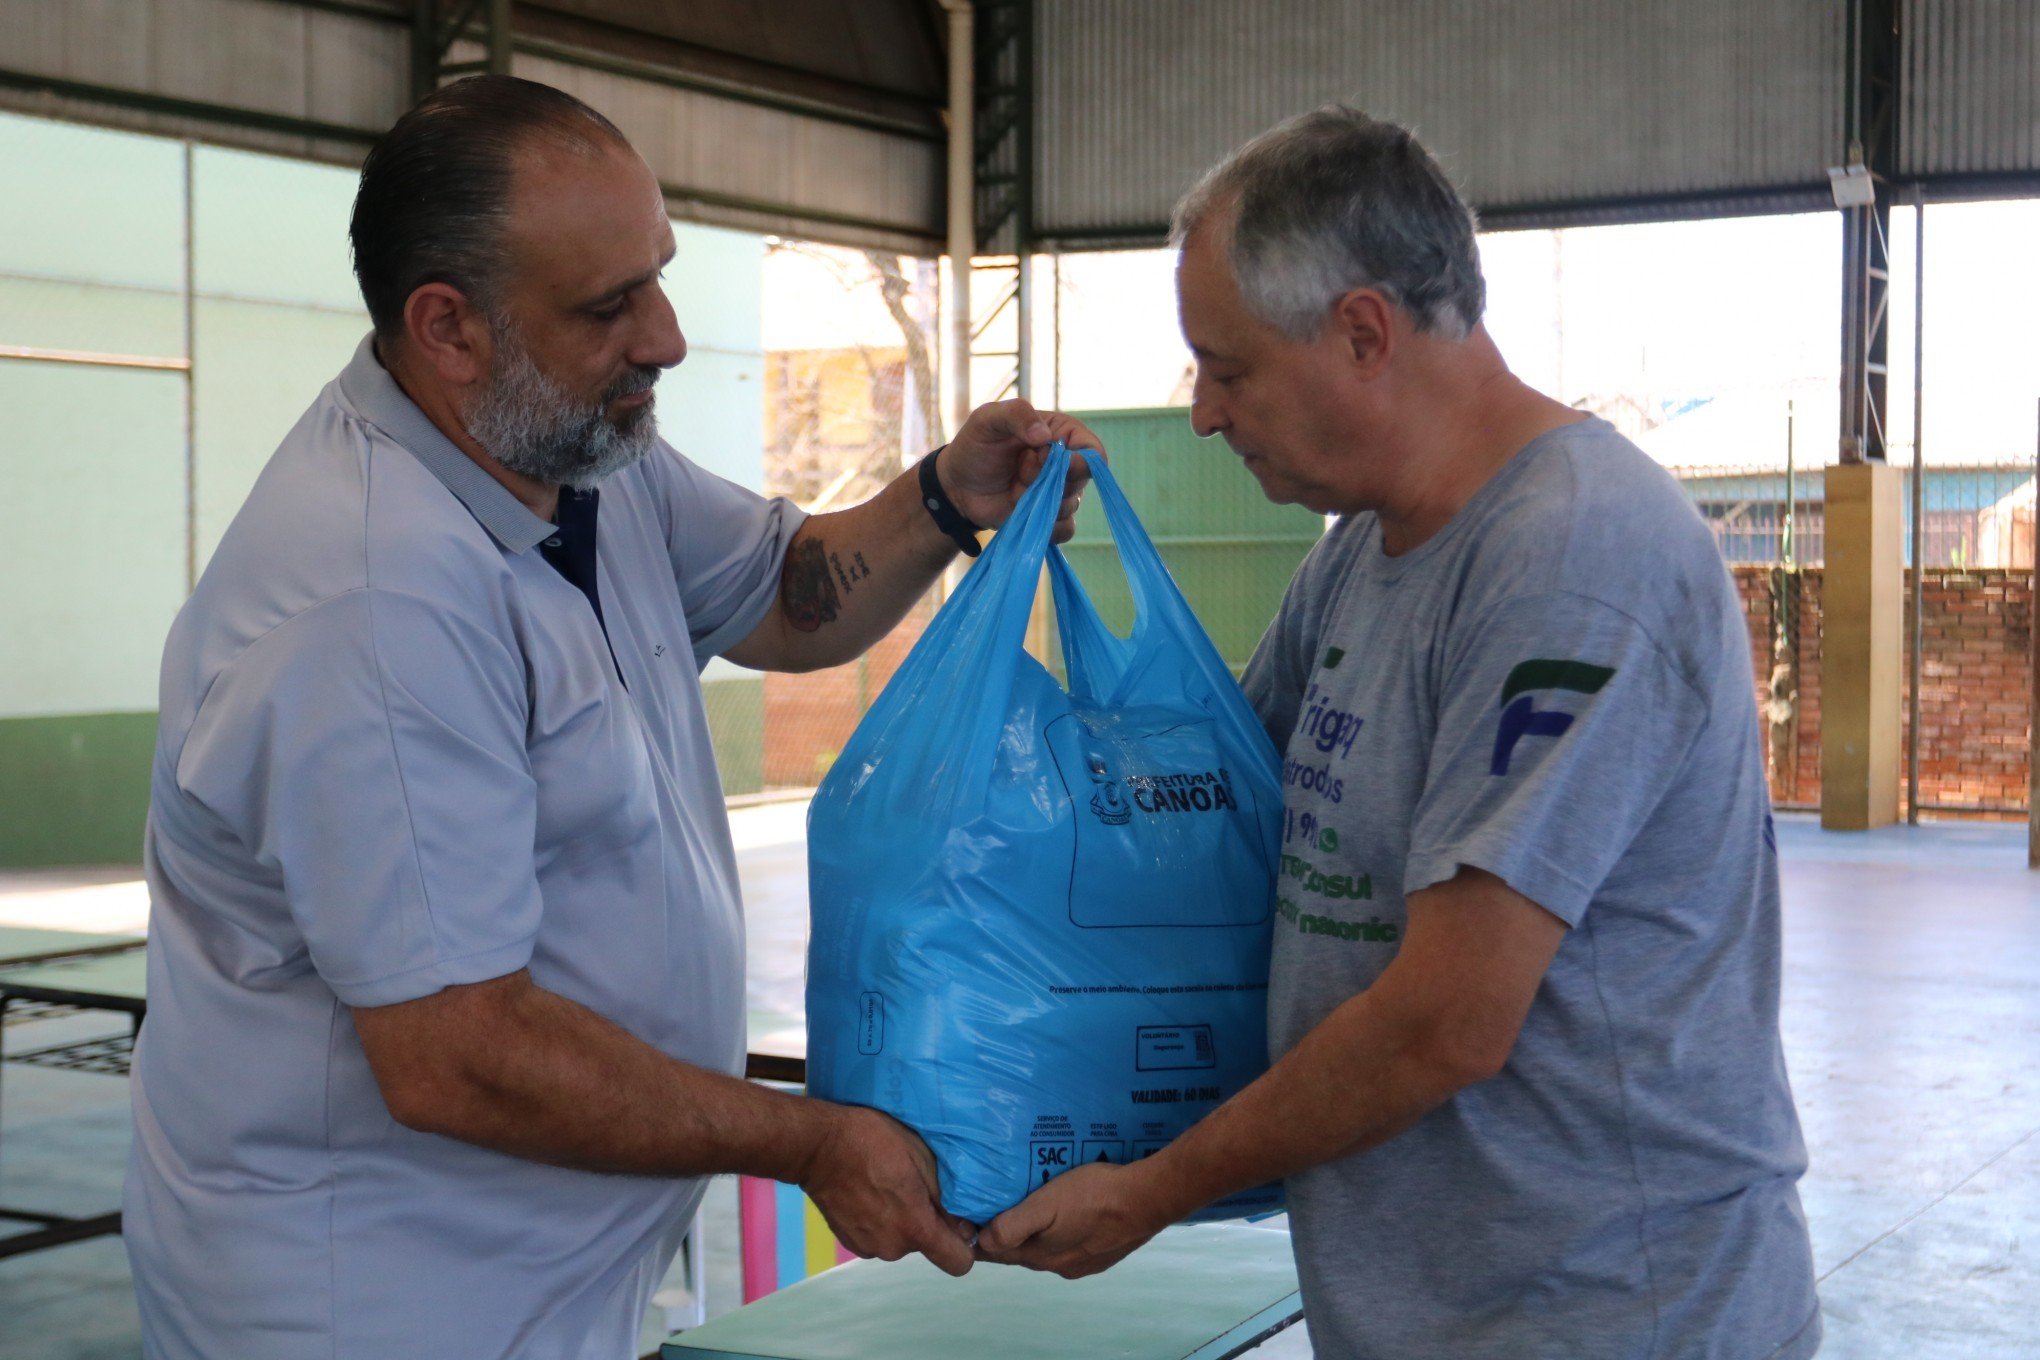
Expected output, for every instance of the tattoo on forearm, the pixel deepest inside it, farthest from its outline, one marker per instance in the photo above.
(850, 575)
(806, 593)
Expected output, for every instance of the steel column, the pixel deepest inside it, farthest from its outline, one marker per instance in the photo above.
(1870, 112)
(1916, 635)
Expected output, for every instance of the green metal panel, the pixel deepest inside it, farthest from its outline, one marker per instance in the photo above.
(714, 284)
(1230, 549)
(711, 408)
(74, 789)
(736, 726)
(95, 560)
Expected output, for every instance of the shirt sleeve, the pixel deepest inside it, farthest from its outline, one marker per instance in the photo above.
(1560, 726)
(728, 546)
(370, 753)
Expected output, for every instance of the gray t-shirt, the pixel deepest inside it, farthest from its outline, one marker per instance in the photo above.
(1554, 688)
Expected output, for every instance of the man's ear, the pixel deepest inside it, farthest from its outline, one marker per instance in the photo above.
(446, 332)
(1364, 322)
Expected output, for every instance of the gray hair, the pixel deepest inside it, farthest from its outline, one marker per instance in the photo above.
(1331, 201)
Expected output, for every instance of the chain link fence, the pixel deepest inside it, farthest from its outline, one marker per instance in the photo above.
(849, 397)
(1977, 516)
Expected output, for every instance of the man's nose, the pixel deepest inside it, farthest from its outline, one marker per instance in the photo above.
(662, 344)
(1205, 417)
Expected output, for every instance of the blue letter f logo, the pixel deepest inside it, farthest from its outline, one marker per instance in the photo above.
(1520, 715)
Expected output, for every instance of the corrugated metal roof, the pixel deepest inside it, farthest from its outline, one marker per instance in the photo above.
(1536, 110)
(886, 47)
(286, 73)
(762, 169)
(816, 118)
(1970, 89)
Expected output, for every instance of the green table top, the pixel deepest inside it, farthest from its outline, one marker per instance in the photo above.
(120, 980)
(27, 944)
(1200, 1292)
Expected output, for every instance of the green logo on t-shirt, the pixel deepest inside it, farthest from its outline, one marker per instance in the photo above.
(1522, 718)
(1582, 676)
(1333, 656)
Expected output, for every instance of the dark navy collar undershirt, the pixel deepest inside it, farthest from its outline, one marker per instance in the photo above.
(571, 551)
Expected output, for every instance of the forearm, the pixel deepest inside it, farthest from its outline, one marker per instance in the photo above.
(852, 575)
(1361, 1077)
(1442, 1016)
(557, 1083)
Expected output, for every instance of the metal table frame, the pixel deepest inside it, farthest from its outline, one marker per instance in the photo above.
(108, 1055)
(56, 946)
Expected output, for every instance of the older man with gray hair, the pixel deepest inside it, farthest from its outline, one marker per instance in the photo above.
(1529, 1095)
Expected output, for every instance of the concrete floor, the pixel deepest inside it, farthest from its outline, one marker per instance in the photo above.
(1912, 1026)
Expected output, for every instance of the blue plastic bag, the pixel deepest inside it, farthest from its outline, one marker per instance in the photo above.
(1042, 918)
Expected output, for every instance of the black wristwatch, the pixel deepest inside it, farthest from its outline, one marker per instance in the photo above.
(943, 511)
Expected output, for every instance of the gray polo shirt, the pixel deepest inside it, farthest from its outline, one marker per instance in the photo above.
(396, 755)
(1554, 688)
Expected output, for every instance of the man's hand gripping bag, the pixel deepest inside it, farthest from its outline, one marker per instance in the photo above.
(1041, 918)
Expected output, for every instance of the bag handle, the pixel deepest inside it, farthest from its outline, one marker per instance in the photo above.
(965, 663)
(1099, 663)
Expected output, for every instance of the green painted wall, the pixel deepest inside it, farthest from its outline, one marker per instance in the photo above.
(1229, 548)
(736, 724)
(76, 788)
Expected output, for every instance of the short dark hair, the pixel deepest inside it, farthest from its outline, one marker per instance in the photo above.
(435, 190)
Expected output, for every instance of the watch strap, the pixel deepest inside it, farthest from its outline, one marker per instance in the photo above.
(950, 520)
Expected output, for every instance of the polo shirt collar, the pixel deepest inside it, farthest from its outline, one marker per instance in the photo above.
(383, 402)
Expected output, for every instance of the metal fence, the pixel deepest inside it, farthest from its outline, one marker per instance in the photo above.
(1977, 515)
(846, 404)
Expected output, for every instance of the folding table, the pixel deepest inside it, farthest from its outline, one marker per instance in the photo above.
(91, 973)
(100, 981)
(29, 944)
(1198, 1292)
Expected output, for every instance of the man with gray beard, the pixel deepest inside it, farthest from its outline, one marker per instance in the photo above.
(446, 965)
(544, 433)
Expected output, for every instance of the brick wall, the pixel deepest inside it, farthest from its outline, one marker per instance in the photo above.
(1975, 692)
(1975, 687)
(1975, 682)
(809, 717)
